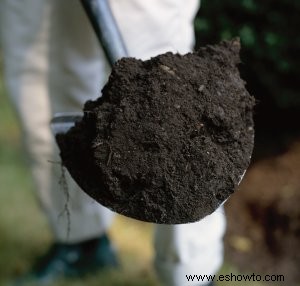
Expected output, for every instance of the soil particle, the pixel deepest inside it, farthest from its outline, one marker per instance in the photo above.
(170, 137)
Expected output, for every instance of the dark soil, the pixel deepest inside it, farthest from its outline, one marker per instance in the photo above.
(170, 137)
(264, 218)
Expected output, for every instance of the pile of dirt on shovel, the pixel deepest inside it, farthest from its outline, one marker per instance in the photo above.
(170, 137)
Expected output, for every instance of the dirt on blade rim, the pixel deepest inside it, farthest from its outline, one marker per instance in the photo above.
(170, 137)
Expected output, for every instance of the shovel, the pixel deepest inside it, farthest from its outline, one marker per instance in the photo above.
(111, 41)
(106, 29)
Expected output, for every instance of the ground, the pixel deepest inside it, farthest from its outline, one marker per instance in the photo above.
(264, 217)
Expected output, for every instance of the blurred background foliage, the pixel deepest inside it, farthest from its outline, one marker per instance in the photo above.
(269, 33)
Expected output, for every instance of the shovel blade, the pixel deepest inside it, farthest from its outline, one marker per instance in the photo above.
(62, 122)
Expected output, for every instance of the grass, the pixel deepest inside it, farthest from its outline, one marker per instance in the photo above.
(23, 228)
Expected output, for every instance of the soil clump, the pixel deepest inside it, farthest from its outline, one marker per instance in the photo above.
(170, 137)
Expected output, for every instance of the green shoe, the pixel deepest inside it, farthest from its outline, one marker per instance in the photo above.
(71, 261)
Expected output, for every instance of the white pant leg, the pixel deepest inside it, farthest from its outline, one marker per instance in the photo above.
(189, 249)
(150, 28)
(78, 70)
(52, 63)
(154, 27)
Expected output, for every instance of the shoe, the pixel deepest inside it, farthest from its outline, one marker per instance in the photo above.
(71, 261)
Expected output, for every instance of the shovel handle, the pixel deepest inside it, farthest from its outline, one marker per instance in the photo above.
(106, 29)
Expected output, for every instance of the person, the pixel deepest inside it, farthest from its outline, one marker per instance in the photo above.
(53, 63)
